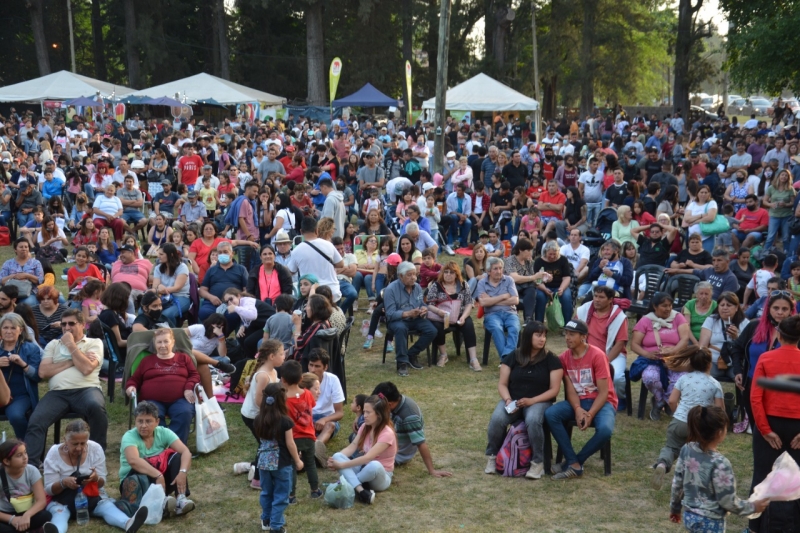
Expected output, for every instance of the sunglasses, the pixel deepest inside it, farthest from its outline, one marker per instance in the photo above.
(781, 293)
(68, 324)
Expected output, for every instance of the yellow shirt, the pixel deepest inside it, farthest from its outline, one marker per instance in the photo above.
(72, 378)
(209, 198)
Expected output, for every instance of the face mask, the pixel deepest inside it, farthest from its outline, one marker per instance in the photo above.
(224, 259)
(739, 179)
(155, 315)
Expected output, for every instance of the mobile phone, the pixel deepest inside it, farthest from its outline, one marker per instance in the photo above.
(81, 479)
(510, 408)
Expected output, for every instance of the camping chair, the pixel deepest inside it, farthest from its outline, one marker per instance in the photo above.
(654, 276)
(194, 296)
(681, 288)
(605, 220)
(115, 355)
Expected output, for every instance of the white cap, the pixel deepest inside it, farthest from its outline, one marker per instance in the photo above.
(137, 147)
(428, 186)
(450, 154)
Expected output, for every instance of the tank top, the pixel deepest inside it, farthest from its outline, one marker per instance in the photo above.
(159, 241)
(249, 407)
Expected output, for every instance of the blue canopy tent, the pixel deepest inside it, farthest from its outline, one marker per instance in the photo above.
(367, 96)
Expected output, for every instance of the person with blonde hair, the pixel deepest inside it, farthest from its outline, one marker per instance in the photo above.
(621, 228)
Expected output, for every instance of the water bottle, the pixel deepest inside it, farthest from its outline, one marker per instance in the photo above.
(81, 508)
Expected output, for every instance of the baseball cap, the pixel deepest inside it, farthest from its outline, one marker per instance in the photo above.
(577, 325)
(207, 167)
(369, 154)
(450, 154)
(22, 184)
(428, 186)
(483, 233)
(394, 259)
(694, 153)
(192, 194)
(51, 162)
(6, 160)
(166, 182)
(282, 236)
(771, 134)
(504, 140)
(290, 148)
(137, 147)
(127, 248)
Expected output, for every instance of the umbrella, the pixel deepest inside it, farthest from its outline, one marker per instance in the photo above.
(84, 101)
(209, 101)
(134, 100)
(170, 102)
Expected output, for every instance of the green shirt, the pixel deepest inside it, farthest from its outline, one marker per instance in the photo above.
(696, 323)
(163, 437)
(786, 196)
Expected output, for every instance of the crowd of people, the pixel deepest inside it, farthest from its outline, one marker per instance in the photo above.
(257, 237)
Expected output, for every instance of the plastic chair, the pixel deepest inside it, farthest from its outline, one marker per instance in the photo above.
(487, 344)
(681, 288)
(654, 274)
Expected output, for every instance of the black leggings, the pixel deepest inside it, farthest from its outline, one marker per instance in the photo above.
(253, 334)
(173, 469)
(377, 313)
(467, 332)
(765, 455)
(37, 521)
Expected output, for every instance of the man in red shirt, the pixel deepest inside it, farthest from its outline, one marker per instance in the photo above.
(699, 170)
(590, 400)
(753, 223)
(551, 204)
(189, 167)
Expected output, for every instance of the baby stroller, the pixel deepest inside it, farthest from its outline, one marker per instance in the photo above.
(605, 219)
(593, 240)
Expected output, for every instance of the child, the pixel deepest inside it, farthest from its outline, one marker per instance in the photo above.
(794, 281)
(209, 197)
(704, 484)
(270, 356)
(32, 227)
(107, 249)
(760, 279)
(276, 453)
(82, 271)
(89, 298)
(301, 200)
(725, 239)
(373, 202)
(310, 382)
(532, 223)
(279, 326)
(349, 237)
(433, 215)
(379, 278)
(693, 388)
(357, 408)
(406, 199)
(388, 273)
(535, 190)
(429, 270)
(25, 486)
(299, 403)
(130, 240)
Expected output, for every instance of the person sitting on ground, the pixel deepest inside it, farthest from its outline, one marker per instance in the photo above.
(25, 486)
(72, 367)
(171, 282)
(167, 380)
(530, 379)
(589, 399)
(329, 408)
(150, 453)
(80, 463)
(279, 326)
(247, 316)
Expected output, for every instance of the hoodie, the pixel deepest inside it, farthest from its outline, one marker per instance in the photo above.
(334, 208)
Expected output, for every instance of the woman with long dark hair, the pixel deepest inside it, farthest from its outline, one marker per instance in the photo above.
(720, 330)
(288, 218)
(171, 282)
(408, 251)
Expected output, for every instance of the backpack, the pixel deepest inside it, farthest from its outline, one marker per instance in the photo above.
(514, 457)
(241, 377)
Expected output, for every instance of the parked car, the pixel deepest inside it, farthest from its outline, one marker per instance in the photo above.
(709, 103)
(749, 106)
(697, 112)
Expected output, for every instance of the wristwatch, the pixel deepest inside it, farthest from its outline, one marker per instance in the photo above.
(183, 470)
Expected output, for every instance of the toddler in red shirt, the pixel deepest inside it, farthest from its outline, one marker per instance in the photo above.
(429, 270)
(299, 403)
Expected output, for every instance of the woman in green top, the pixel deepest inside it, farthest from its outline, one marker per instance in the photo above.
(149, 454)
(696, 311)
(779, 199)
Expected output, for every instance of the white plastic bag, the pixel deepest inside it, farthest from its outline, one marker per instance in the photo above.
(210, 425)
(340, 495)
(782, 484)
(153, 499)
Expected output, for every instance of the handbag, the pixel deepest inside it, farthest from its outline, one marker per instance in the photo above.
(20, 503)
(720, 225)
(449, 306)
(212, 430)
(24, 286)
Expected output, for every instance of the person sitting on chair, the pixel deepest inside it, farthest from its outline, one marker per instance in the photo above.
(19, 360)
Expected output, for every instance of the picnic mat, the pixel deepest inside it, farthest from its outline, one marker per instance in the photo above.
(221, 394)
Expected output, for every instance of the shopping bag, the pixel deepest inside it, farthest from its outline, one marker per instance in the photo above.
(153, 499)
(782, 484)
(211, 428)
(340, 495)
(554, 315)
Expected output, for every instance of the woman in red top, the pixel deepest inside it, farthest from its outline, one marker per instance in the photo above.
(776, 414)
(167, 379)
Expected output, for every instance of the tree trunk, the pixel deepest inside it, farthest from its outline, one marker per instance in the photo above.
(588, 33)
(131, 45)
(315, 52)
(222, 35)
(550, 100)
(488, 28)
(502, 18)
(406, 7)
(98, 49)
(683, 49)
(37, 26)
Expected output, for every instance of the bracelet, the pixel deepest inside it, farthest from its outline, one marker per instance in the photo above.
(11, 520)
(62, 484)
(159, 475)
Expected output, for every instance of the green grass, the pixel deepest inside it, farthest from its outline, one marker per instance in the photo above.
(456, 403)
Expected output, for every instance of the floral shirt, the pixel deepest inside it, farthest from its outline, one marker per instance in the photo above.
(512, 264)
(437, 294)
(704, 483)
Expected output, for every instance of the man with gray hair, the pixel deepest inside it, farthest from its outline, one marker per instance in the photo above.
(719, 275)
(406, 313)
(422, 239)
(497, 294)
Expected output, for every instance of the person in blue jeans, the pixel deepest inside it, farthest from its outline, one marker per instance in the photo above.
(19, 362)
(459, 209)
(276, 454)
(559, 269)
(590, 400)
(497, 294)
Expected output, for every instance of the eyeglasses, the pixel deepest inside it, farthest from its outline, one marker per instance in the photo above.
(448, 272)
(68, 324)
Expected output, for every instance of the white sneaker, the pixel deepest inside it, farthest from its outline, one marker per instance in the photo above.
(241, 468)
(536, 471)
(251, 473)
(184, 506)
(378, 334)
(170, 504)
(491, 465)
(449, 250)
(355, 306)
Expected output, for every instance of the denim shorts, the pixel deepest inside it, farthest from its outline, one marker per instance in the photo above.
(336, 424)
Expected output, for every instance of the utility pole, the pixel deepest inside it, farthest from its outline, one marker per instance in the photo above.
(71, 35)
(536, 94)
(441, 86)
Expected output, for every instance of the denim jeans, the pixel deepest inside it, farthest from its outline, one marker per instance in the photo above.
(527, 297)
(23, 219)
(180, 414)
(89, 190)
(534, 423)
(566, 305)
(275, 487)
(380, 283)
(455, 226)
(401, 328)
(176, 313)
(592, 212)
(349, 295)
(360, 280)
(373, 473)
(17, 413)
(105, 509)
(603, 423)
(775, 224)
(504, 327)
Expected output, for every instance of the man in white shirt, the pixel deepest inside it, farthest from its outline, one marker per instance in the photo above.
(590, 185)
(318, 257)
(122, 172)
(577, 254)
(328, 410)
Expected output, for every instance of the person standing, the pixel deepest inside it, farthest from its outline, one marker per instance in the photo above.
(590, 185)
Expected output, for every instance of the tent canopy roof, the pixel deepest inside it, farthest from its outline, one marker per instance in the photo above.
(204, 86)
(482, 93)
(62, 85)
(367, 96)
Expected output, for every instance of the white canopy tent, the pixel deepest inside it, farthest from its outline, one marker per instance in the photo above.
(61, 85)
(205, 86)
(482, 93)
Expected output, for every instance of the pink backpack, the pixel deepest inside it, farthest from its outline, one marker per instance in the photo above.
(514, 457)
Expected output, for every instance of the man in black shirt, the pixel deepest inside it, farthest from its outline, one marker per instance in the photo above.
(477, 163)
(501, 202)
(515, 173)
(650, 165)
(655, 250)
(664, 178)
(618, 191)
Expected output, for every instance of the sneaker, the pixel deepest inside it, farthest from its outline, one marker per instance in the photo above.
(265, 525)
(227, 368)
(281, 530)
(316, 494)
(184, 506)
(536, 471)
(379, 335)
(442, 360)
(321, 453)
(658, 476)
(136, 521)
(170, 503)
(390, 347)
(491, 465)
(402, 370)
(449, 250)
(475, 365)
(49, 527)
(655, 411)
(251, 473)
(366, 496)
(622, 405)
(569, 473)
(413, 363)
(241, 468)
(367, 344)
(255, 484)
(558, 468)
(355, 306)
(292, 500)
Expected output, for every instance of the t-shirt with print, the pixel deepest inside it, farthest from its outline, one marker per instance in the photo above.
(285, 458)
(330, 393)
(530, 380)
(592, 186)
(130, 195)
(697, 388)
(190, 169)
(387, 436)
(575, 256)
(652, 253)
(299, 409)
(759, 281)
(19, 487)
(162, 438)
(166, 202)
(584, 372)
